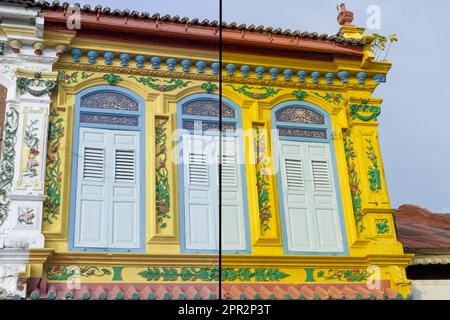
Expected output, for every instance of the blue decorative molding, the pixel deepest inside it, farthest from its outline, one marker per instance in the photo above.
(186, 64)
(200, 65)
(245, 69)
(171, 62)
(215, 66)
(274, 73)
(361, 76)
(109, 57)
(343, 75)
(156, 61)
(92, 56)
(140, 60)
(259, 72)
(315, 75)
(379, 78)
(302, 75)
(287, 74)
(329, 77)
(124, 59)
(263, 73)
(76, 54)
(230, 69)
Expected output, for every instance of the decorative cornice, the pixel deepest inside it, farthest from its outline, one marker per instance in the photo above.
(202, 260)
(136, 71)
(357, 79)
(298, 85)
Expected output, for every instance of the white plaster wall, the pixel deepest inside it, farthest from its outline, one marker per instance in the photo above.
(431, 289)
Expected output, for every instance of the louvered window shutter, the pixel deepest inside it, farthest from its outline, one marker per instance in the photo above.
(92, 196)
(233, 222)
(200, 194)
(125, 207)
(107, 198)
(323, 198)
(309, 197)
(299, 221)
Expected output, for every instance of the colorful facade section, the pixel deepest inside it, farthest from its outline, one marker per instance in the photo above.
(131, 175)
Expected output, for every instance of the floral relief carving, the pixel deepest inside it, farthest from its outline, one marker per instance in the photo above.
(162, 174)
(262, 179)
(350, 155)
(26, 216)
(373, 172)
(36, 86)
(74, 77)
(53, 174)
(260, 93)
(161, 85)
(32, 143)
(7, 161)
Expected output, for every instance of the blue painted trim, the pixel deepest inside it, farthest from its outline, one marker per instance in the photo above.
(329, 140)
(141, 169)
(238, 121)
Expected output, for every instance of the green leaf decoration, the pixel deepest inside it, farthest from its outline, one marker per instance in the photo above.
(211, 274)
(266, 91)
(356, 109)
(354, 275)
(331, 97)
(382, 226)
(74, 77)
(355, 191)
(112, 79)
(53, 168)
(162, 85)
(30, 85)
(209, 87)
(299, 94)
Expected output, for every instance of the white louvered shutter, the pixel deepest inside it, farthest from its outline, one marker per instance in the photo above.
(125, 205)
(324, 198)
(91, 220)
(309, 197)
(107, 199)
(200, 192)
(233, 225)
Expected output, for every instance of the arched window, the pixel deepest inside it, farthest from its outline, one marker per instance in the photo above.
(307, 180)
(107, 197)
(198, 119)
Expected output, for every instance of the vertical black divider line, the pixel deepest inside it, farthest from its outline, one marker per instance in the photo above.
(220, 149)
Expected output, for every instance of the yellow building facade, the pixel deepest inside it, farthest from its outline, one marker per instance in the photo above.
(280, 90)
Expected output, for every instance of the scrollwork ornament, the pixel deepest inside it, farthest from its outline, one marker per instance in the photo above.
(7, 162)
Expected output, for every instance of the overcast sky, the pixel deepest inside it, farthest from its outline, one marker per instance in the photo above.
(414, 134)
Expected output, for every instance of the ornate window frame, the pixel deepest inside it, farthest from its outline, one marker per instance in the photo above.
(275, 151)
(140, 114)
(237, 121)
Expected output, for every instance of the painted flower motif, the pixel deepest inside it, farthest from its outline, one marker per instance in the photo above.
(55, 147)
(51, 159)
(256, 95)
(351, 167)
(34, 151)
